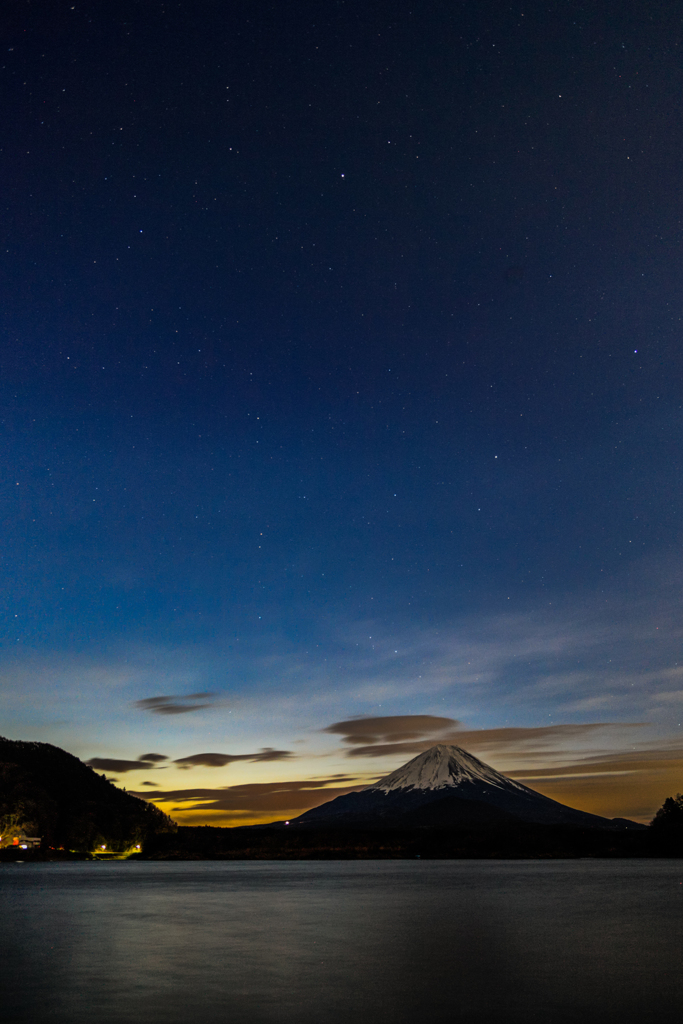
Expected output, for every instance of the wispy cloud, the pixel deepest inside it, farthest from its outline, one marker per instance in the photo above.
(176, 705)
(625, 783)
(562, 660)
(401, 735)
(644, 759)
(114, 764)
(368, 730)
(220, 760)
(256, 798)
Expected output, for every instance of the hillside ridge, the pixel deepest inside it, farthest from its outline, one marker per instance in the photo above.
(46, 791)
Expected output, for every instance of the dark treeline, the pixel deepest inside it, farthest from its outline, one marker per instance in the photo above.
(511, 841)
(668, 821)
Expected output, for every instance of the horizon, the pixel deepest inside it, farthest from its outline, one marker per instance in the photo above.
(313, 793)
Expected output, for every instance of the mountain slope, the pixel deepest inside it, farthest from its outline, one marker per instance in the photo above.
(45, 791)
(457, 780)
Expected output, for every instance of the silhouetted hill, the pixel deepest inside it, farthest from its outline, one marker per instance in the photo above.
(45, 791)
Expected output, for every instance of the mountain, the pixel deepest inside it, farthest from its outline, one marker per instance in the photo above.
(446, 785)
(47, 792)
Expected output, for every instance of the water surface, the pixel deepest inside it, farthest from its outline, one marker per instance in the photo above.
(342, 943)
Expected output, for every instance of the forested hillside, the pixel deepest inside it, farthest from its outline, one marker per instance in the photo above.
(45, 791)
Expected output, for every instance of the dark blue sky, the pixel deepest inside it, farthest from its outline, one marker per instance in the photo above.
(325, 323)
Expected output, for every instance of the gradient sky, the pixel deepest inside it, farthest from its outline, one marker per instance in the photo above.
(340, 380)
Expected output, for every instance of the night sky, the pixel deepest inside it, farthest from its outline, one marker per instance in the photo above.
(340, 376)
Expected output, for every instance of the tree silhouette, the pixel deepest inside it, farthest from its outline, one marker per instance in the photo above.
(669, 818)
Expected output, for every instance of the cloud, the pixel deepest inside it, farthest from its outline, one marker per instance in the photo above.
(147, 761)
(112, 764)
(392, 728)
(175, 705)
(390, 749)
(621, 762)
(220, 760)
(629, 784)
(399, 730)
(542, 739)
(613, 653)
(256, 798)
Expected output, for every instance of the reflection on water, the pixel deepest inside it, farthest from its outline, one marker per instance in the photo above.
(364, 943)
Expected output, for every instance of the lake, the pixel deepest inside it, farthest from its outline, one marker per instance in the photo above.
(365, 942)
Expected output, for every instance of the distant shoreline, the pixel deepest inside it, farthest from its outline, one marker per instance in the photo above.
(519, 842)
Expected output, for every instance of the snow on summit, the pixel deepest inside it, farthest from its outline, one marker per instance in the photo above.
(442, 767)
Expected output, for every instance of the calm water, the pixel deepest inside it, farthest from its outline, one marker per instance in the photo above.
(358, 943)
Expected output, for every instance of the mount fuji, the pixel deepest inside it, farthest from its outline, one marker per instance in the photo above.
(447, 786)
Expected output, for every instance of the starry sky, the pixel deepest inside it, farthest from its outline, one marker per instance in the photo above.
(340, 394)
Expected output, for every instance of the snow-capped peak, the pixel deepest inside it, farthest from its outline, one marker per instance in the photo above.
(442, 767)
